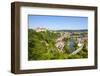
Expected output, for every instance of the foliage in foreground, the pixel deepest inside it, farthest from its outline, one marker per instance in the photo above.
(41, 46)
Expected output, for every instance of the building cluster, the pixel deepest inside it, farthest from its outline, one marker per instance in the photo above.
(60, 43)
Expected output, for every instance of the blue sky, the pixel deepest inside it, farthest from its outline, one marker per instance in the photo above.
(57, 22)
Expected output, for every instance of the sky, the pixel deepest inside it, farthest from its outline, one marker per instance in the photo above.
(57, 22)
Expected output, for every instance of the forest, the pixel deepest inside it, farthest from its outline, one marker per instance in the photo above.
(42, 46)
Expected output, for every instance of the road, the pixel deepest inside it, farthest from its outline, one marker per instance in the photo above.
(78, 50)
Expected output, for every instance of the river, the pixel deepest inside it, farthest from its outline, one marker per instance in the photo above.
(71, 45)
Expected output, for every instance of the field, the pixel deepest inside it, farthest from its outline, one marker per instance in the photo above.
(44, 44)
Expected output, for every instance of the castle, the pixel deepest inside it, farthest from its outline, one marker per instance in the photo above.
(40, 29)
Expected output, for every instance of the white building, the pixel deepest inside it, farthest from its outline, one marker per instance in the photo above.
(40, 29)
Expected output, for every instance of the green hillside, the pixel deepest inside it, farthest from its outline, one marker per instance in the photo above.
(41, 46)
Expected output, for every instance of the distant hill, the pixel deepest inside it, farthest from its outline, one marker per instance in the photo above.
(81, 30)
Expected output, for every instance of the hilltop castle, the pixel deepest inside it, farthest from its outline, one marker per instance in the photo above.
(40, 29)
